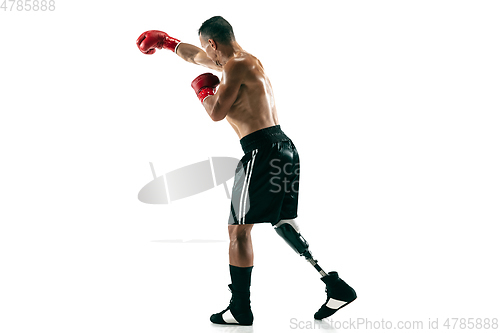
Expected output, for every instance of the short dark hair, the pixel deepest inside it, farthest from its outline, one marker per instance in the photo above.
(218, 29)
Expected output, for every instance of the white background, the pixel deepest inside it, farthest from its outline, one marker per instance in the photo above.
(393, 106)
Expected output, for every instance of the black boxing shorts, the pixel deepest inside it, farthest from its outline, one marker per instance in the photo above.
(266, 182)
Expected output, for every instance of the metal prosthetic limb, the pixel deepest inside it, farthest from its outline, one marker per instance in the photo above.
(289, 231)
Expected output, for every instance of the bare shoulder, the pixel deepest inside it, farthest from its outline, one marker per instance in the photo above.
(242, 63)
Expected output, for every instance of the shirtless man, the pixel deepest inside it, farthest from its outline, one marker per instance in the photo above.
(266, 181)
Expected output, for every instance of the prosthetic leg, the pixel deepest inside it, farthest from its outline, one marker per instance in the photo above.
(289, 231)
(338, 293)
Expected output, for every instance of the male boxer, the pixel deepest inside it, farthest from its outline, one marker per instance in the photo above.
(266, 182)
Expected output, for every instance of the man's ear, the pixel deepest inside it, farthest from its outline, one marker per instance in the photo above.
(213, 44)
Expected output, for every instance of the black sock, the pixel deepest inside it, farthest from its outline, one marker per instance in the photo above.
(240, 278)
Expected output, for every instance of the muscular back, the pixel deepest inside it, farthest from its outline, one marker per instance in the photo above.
(254, 107)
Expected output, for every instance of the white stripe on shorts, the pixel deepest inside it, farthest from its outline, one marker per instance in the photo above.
(244, 191)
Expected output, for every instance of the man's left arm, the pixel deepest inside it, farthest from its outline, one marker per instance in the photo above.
(218, 105)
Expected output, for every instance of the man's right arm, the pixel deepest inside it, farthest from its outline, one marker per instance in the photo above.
(196, 55)
(151, 40)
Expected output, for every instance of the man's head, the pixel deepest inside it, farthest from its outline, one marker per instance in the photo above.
(215, 33)
(218, 29)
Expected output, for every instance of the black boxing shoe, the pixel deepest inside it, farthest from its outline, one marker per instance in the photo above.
(339, 294)
(238, 312)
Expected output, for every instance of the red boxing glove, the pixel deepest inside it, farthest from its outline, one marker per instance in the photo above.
(149, 40)
(204, 85)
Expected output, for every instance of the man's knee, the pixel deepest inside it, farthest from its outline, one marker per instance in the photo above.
(239, 233)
